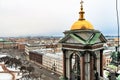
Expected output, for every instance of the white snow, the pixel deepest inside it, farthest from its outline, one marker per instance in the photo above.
(5, 76)
(12, 69)
(118, 72)
(4, 55)
(1, 69)
(8, 76)
(105, 72)
(56, 55)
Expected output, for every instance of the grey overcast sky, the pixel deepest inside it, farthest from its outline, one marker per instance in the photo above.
(53, 17)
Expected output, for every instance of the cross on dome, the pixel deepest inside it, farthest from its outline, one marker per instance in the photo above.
(82, 23)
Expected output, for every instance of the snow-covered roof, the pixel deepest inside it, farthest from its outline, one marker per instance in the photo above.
(42, 51)
(34, 45)
(38, 51)
(118, 72)
(1, 69)
(13, 69)
(3, 55)
(54, 55)
(111, 48)
(5, 76)
(105, 51)
(8, 76)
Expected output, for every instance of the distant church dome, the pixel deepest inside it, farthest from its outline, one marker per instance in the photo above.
(82, 23)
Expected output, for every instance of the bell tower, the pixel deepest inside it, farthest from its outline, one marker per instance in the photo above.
(82, 48)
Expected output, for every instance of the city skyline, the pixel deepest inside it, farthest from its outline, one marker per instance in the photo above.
(52, 17)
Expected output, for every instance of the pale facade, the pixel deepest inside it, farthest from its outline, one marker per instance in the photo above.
(53, 62)
(29, 47)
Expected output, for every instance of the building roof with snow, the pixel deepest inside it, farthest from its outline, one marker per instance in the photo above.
(57, 56)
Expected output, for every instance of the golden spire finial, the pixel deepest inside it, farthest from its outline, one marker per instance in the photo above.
(81, 11)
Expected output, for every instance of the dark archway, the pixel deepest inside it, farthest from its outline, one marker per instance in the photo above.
(75, 66)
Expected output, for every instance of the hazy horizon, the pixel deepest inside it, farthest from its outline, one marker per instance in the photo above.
(53, 17)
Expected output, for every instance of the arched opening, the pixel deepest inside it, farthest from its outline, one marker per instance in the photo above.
(75, 67)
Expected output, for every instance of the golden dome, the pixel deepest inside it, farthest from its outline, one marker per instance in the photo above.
(82, 24)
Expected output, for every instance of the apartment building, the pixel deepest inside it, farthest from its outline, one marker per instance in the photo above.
(53, 62)
(107, 57)
(49, 60)
(7, 44)
(36, 56)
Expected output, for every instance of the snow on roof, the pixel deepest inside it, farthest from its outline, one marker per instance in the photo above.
(34, 45)
(39, 51)
(3, 55)
(13, 69)
(118, 72)
(8, 76)
(111, 48)
(1, 69)
(57, 55)
(54, 55)
(42, 51)
(5, 76)
(107, 51)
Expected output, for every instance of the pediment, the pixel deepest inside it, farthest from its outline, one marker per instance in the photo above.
(84, 38)
(72, 38)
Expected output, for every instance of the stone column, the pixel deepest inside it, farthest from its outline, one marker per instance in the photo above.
(87, 65)
(91, 67)
(82, 67)
(101, 63)
(64, 63)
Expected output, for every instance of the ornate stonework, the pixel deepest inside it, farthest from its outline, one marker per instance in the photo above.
(82, 54)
